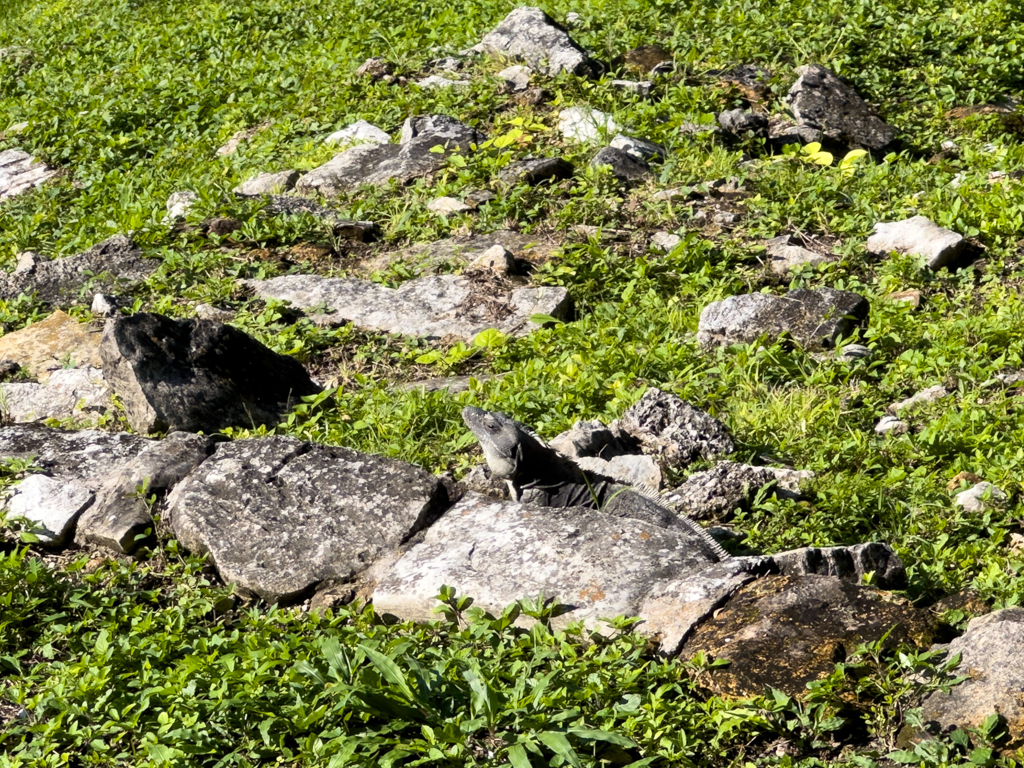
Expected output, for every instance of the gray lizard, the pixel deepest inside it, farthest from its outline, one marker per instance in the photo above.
(538, 474)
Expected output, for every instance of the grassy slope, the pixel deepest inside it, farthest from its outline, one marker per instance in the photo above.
(133, 98)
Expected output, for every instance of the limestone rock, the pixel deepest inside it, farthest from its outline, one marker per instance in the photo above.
(179, 204)
(360, 132)
(719, 492)
(640, 149)
(786, 255)
(992, 657)
(278, 516)
(739, 122)
(454, 252)
(585, 125)
(348, 229)
(980, 497)
(628, 469)
(623, 166)
(430, 307)
(814, 319)
(852, 563)
(20, 172)
(641, 88)
(891, 424)
(588, 438)
(446, 206)
(917, 236)
(78, 394)
(375, 68)
(51, 504)
(534, 171)
(785, 631)
(380, 164)
(597, 565)
(267, 184)
(197, 375)
(107, 265)
(666, 242)
(930, 395)
(436, 81)
(495, 259)
(674, 431)
(58, 341)
(516, 78)
(823, 102)
(531, 36)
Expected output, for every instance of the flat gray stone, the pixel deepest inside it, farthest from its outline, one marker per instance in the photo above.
(930, 395)
(20, 172)
(739, 122)
(437, 81)
(785, 255)
(814, 319)
(438, 306)
(53, 505)
(641, 88)
(278, 516)
(980, 497)
(267, 184)
(666, 242)
(640, 149)
(77, 394)
(447, 206)
(823, 102)
(992, 657)
(498, 552)
(918, 236)
(531, 36)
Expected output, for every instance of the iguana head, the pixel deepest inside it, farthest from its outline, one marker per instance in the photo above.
(503, 439)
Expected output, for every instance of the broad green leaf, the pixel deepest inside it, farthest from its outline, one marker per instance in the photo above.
(517, 757)
(389, 670)
(560, 745)
(593, 734)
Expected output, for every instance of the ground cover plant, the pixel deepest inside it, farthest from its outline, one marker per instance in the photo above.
(151, 662)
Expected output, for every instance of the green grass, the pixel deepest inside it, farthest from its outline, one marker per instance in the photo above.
(132, 98)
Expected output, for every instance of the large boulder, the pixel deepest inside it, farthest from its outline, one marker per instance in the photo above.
(672, 430)
(107, 266)
(497, 552)
(786, 631)
(380, 164)
(278, 516)
(52, 344)
(992, 658)
(20, 172)
(821, 101)
(437, 306)
(814, 319)
(917, 236)
(531, 36)
(197, 375)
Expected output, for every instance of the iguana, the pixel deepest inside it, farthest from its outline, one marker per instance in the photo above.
(538, 474)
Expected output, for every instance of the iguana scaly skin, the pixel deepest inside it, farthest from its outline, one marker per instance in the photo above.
(538, 474)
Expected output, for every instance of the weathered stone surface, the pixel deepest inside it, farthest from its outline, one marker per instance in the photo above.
(851, 563)
(495, 259)
(814, 319)
(429, 307)
(720, 491)
(785, 631)
(641, 149)
(673, 608)
(516, 78)
(267, 184)
(917, 236)
(980, 497)
(623, 165)
(380, 164)
(79, 394)
(437, 81)
(107, 265)
(51, 504)
(498, 552)
(348, 229)
(739, 122)
(641, 88)
(375, 68)
(929, 395)
(180, 203)
(786, 255)
(585, 125)
(447, 206)
(57, 342)
(822, 101)
(463, 250)
(666, 242)
(588, 438)
(360, 132)
(534, 171)
(197, 375)
(891, 424)
(278, 516)
(20, 172)
(782, 132)
(992, 657)
(531, 36)
(674, 431)
(120, 514)
(629, 469)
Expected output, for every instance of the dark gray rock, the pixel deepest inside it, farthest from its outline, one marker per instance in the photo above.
(849, 563)
(720, 491)
(121, 514)
(588, 438)
(814, 319)
(786, 631)
(823, 102)
(531, 36)
(992, 658)
(197, 375)
(278, 516)
(641, 149)
(429, 307)
(377, 165)
(918, 236)
(624, 166)
(426, 126)
(20, 172)
(114, 263)
(674, 431)
(499, 552)
(739, 122)
(537, 170)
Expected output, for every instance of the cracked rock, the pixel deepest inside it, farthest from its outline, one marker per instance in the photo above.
(823, 102)
(531, 36)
